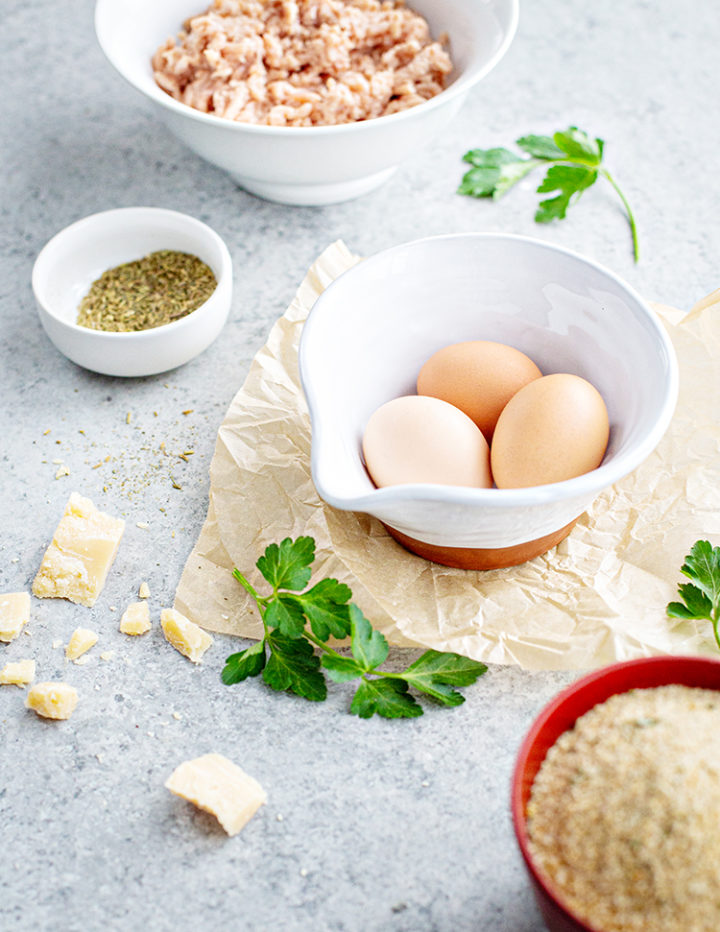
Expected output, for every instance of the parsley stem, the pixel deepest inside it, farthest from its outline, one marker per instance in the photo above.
(329, 650)
(631, 218)
(247, 586)
(321, 644)
(715, 625)
(259, 600)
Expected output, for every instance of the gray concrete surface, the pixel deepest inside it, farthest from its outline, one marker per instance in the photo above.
(370, 825)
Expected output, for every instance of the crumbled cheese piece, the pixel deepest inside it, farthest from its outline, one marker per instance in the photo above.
(184, 635)
(144, 591)
(177, 716)
(52, 700)
(81, 661)
(14, 613)
(62, 471)
(82, 640)
(107, 655)
(143, 525)
(218, 786)
(18, 674)
(57, 643)
(80, 554)
(136, 619)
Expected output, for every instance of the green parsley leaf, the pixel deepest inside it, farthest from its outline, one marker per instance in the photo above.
(569, 180)
(490, 158)
(294, 666)
(326, 608)
(495, 171)
(369, 647)
(701, 598)
(575, 162)
(702, 565)
(579, 147)
(286, 615)
(296, 623)
(387, 697)
(540, 147)
(240, 666)
(341, 669)
(695, 604)
(288, 566)
(436, 673)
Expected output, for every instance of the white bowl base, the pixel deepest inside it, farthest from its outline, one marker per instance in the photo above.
(313, 195)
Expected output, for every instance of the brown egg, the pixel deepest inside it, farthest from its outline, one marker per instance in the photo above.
(479, 377)
(553, 429)
(420, 439)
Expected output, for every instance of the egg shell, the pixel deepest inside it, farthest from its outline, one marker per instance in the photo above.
(420, 439)
(553, 429)
(477, 376)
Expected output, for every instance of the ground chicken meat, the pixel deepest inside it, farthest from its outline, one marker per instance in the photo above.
(303, 62)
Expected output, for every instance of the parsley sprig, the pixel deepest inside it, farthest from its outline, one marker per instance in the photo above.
(575, 164)
(294, 655)
(701, 597)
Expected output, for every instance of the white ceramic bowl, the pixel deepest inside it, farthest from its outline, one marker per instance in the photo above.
(372, 329)
(76, 256)
(317, 164)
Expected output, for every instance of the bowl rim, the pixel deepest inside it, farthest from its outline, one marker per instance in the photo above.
(621, 677)
(203, 231)
(587, 484)
(465, 80)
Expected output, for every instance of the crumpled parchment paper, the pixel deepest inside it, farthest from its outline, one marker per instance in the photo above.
(597, 597)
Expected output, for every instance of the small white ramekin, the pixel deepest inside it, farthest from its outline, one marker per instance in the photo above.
(76, 256)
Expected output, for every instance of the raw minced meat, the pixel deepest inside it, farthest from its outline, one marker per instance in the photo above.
(303, 62)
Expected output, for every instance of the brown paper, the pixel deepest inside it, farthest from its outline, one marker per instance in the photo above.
(597, 597)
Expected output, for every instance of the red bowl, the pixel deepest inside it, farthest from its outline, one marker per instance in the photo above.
(560, 715)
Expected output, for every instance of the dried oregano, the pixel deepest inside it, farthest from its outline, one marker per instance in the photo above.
(158, 289)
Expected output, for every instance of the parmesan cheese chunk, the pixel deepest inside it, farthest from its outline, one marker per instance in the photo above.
(52, 700)
(80, 554)
(218, 786)
(144, 591)
(82, 640)
(17, 674)
(184, 635)
(14, 613)
(136, 619)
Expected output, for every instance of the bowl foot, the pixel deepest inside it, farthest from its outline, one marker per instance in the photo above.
(313, 195)
(482, 558)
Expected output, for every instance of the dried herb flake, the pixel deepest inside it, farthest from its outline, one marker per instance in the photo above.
(146, 293)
